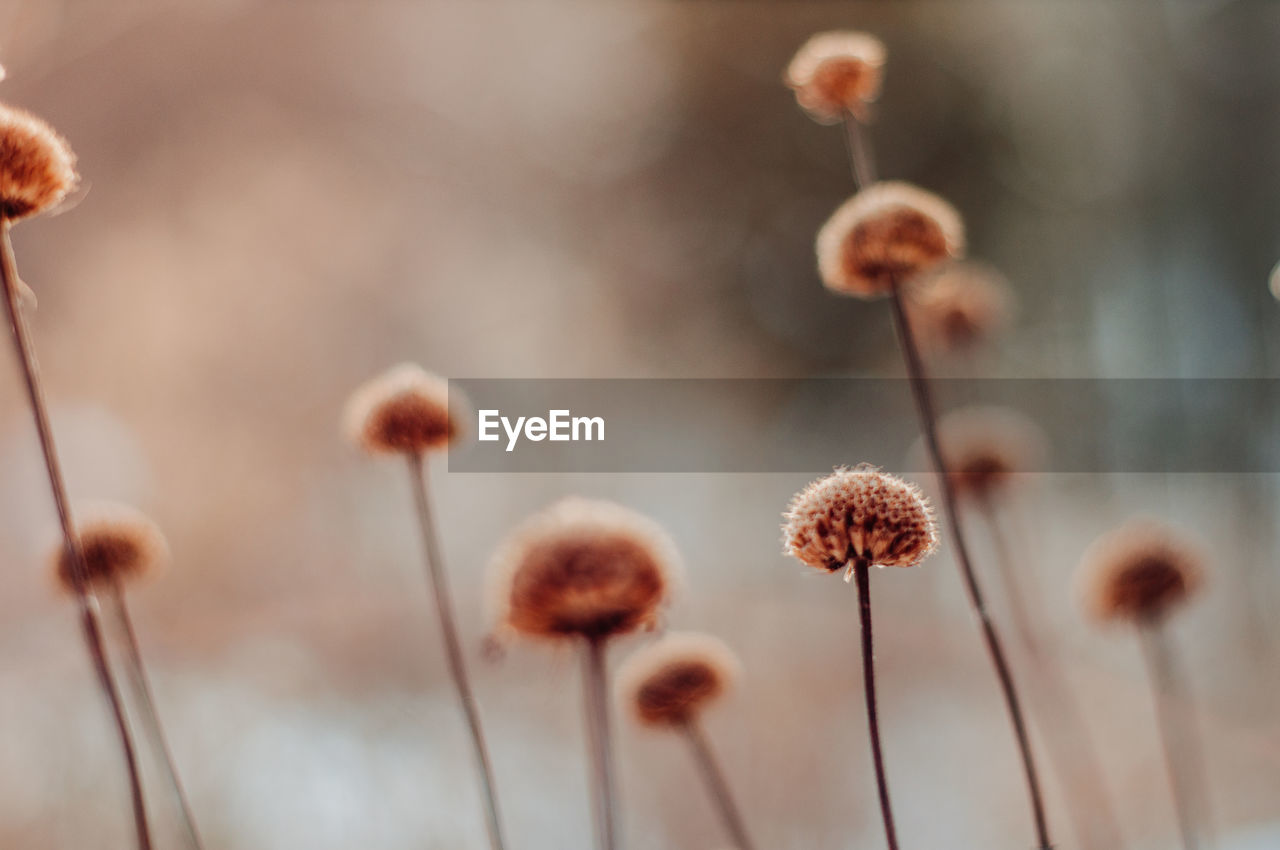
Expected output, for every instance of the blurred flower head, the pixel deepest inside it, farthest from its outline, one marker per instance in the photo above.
(120, 545)
(835, 73)
(671, 681)
(37, 167)
(960, 306)
(404, 411)
(1139, 572)
(984, 447)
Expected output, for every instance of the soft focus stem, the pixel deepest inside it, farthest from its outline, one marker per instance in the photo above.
(714, 776)
(79, 575)
(862, 576)
(599, 742)
(453, 647)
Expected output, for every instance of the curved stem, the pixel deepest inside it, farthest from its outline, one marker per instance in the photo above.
(860, 159)
(599, 742)
(453, 648)
(25, 349)
(861, 572)
(929, 425)
(144, 699)
(716, 782)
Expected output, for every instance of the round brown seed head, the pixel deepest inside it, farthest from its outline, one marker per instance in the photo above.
(859, 514)
(37, 168)
(961, 305)
(672, 680)
(984, 447)
(837, 72)
(884, 236)
(583, 568)
(405, 410)
(1139, 572)
(120, 546)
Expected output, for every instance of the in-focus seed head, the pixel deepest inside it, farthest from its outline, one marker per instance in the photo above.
(984, 447)
(1139, 572)
(37, 167)
(405, 410)
(671, 681)
(859, 514)
(959, 306)
(583, 568)
(884, 236)
(120, 546)
(837, 72)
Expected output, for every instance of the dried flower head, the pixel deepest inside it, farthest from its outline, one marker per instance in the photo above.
(37, 168)
(835, 73)
(884, 236)
(959, 306)
(583, 568)
(120, 545)
(984, 447)
(859, 514)
(1139, 572)
(405, 410)
(672, 680)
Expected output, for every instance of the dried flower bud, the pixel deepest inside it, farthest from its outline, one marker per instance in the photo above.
(836, 73)
(984, 447)
(672, 680)
(120, 546)
(884, 236)
(859, 514)
(583, 568)
(1139, 572)
(961, 305)
(405, 410)
(37, 168)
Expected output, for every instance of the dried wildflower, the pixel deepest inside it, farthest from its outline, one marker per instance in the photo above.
(835, 73)
(405, 410)
(961, 305)
(37, 168)
(1139, 572)
(985, 446)
(120, 545)
(884, 236)
(671, 681)
(583, 568)
(859, 514)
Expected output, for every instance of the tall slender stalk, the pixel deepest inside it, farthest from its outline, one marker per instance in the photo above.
(599, 742)
(864, 172)
(25, 350)
(453, 647)
(862, 575)
(1184, 763)
(714, 776)
(1071, 747)
(144, 700)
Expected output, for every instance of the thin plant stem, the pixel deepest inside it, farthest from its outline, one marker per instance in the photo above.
(600, 742)
(144, 698)
(25, 350)
(862, 576)
(453, 647)
(714, 776)
(864, 170)
(1070, 744)
(1182, 758)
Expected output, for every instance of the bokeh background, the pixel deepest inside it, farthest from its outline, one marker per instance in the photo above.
(284, 198)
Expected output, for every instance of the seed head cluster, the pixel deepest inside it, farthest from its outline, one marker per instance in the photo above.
(859, 514)
(837, 73)
(1139, 572)
(583, 568)
(37, 167)
(959, 307)
(671, 681)
(404, 411)
(884, 236)
(120, 545)
(984, 447)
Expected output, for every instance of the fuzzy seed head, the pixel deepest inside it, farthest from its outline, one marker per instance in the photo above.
(884, 236)
(120, 545)
(404, 411)
(1139, 572)
(37, 167)
(835, 73)
(583, 568)
(859, 514)
(985, 447)
(671, 681)
(959, 307)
